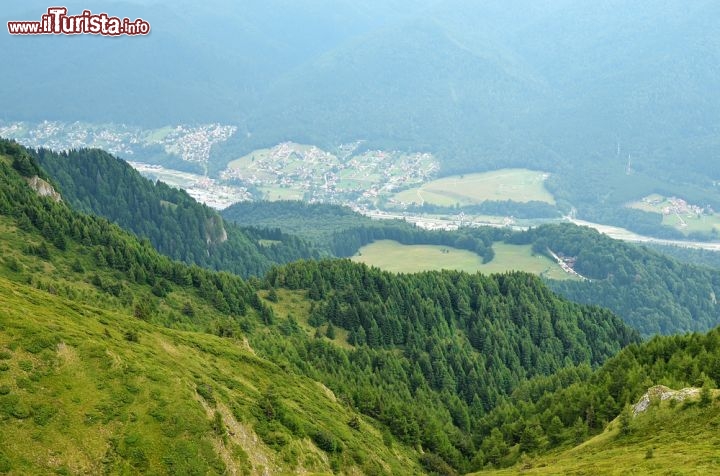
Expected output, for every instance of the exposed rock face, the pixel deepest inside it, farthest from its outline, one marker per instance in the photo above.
(661, 392)
(215, 231)
(43, 188)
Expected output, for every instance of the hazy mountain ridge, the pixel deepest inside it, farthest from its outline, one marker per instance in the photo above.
(616, 100)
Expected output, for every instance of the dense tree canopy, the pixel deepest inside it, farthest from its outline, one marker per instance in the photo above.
(653, 292)
(93, 181)
(576, 402)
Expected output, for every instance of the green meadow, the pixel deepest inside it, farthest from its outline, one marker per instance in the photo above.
(396, 257)
(520, 185)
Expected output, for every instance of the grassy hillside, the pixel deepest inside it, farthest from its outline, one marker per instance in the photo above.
(669, 438)
(86, 390)
(103, 371)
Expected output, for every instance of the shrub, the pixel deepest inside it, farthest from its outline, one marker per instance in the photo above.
(42, 414)
(434, 464)
(13, 264)
(206, 392)
(354, 423)
(25, 365)
(20, 411)
(131, 336)
(5, 464)
(38, 344)
(325, 441)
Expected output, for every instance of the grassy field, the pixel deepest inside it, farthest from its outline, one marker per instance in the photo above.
(393, 256)
(520, 185)
(281, 193)
(692, 223)
(156, 135)
(669, 441)
(685, 221)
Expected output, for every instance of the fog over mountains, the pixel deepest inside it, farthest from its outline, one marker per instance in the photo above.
(625, 87)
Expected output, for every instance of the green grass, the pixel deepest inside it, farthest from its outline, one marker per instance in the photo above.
(520, 185)
(685, 222)
(281, 193)
(296, 304)
(393, 256)
(156, 135)
(78, 394)
(521, 258)
(86, 388)
(683, 440)
(247, 161)
(706, 223)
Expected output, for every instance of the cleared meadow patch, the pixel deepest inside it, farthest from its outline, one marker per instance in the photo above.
(520, 185)
(393, 256)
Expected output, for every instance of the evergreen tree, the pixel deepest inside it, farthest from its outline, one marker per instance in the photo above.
(330, 332)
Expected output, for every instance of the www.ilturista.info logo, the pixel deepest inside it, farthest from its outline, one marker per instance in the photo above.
(57, 22)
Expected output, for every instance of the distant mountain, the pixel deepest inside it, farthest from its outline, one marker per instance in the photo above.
(607, 89)
(200, 63)
(615, 100)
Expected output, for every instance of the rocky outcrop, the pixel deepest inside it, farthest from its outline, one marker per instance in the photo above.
(215, 232)
(43, 188)
(662, 393)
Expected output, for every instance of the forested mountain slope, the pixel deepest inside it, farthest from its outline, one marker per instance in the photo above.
(93, 181)
(546, 417)
(316, 222)
(606, 98)
(653, 292)
(439, 351)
